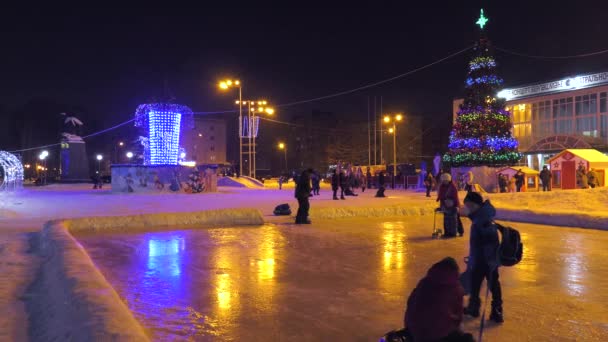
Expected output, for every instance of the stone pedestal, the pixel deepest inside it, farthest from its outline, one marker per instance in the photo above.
(74, 161)
(155, 178)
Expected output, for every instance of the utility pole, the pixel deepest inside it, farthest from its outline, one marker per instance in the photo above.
(369, 137)
(375, 132)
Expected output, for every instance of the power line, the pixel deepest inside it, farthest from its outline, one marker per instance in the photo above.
(85, 137)
(551, 57)
(379, 82)
(346, 92)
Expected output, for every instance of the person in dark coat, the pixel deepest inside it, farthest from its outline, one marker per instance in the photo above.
(545, 177)
(435, 307)
(316, 183)
(380, 192)
(335, 183)
(519, 179)
(593, 179)
(502, 183)
(343, 183)
(302, 194)
(448, 199)
(483, 260)
(428, 183)
(368, 178)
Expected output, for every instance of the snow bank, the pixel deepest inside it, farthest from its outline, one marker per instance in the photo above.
(220, 217)
(72, 300)
(570, 208)
(577, 220)
(377, 211)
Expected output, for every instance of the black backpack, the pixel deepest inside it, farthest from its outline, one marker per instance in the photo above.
(511, 248)
(282, 209)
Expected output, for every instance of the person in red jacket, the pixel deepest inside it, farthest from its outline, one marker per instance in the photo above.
(447, 196)
(435, 307)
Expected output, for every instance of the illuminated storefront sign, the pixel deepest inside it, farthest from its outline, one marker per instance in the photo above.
(571, 83)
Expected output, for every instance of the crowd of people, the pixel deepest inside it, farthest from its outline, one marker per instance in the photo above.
(435, 309)
(587, 179)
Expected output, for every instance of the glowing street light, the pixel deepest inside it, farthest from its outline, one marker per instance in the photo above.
(42, 157)
(99, 158)
(253, 107)
(129, 154)
(121, 143)
(283, 147)
(393, 130)
(225, 85)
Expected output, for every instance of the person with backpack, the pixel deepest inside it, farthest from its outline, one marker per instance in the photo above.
(435, 307)
(302, 194)
(447, 196)
(483, 255)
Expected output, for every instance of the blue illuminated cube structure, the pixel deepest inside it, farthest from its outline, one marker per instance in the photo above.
(163, 123)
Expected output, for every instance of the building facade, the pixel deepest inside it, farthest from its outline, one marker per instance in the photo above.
(206, 142)
(557, 115)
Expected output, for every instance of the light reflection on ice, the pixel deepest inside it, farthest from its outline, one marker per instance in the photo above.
(393, 274)
(164, 255)
(576, 267)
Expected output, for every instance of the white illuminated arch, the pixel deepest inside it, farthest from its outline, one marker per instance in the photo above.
(12, 171)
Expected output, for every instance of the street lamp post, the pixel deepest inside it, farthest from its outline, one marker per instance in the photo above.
(99, 158)
(116, 154)
(129, 156)
(283, 147)
(224, 85)
(42, 157)
(388, 119)
(252, 128)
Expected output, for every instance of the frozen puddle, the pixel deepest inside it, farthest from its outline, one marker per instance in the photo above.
(344, 280)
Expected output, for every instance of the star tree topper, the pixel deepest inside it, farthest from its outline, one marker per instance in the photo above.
(482, 20)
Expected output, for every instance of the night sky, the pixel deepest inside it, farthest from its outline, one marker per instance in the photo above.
(100, 64)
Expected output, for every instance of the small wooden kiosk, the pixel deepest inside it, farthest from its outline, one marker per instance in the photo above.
(564, 166)
(531, 176)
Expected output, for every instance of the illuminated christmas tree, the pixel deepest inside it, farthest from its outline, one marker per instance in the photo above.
(481, 135)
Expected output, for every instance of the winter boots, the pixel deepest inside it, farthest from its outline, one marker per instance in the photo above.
(496, 314)
(473, 310)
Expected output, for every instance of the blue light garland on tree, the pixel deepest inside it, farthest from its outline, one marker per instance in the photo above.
(481, 135)
(163, 123)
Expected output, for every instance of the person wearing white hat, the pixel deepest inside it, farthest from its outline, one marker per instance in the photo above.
(447, 196)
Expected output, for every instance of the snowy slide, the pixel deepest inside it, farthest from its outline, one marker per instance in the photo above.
(241, 182)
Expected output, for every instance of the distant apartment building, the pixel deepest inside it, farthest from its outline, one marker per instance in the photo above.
(206, 142)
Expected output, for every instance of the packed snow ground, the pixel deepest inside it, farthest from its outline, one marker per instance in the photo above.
(341, 280)
(23, 214)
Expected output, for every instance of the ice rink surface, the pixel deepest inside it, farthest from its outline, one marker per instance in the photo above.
(342, 280)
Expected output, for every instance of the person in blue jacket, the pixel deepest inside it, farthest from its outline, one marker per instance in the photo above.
(483, 259)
